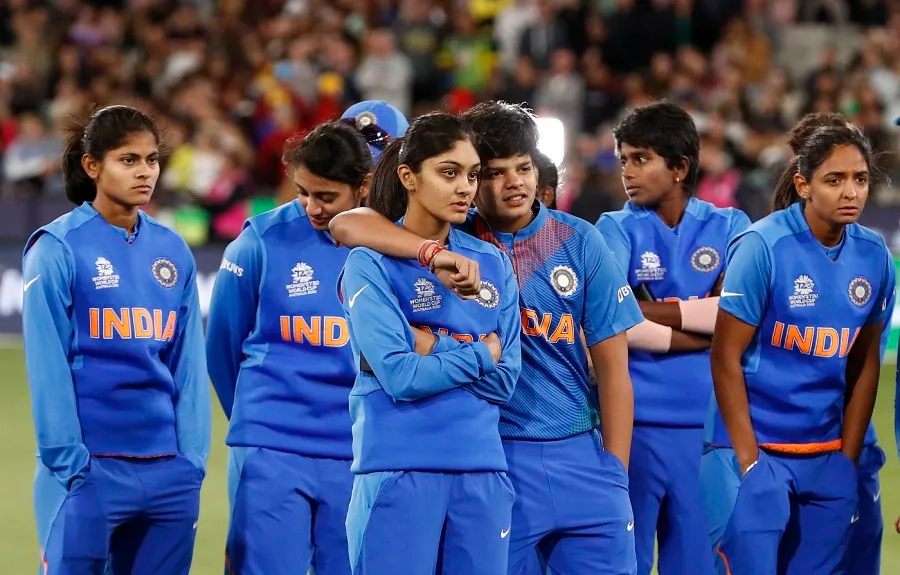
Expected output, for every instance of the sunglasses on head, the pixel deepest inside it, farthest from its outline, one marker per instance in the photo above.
(375, 135)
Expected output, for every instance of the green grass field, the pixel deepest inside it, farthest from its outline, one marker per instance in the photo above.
(18, 542)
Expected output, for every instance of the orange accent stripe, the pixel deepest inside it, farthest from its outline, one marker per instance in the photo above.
(124, 456)
(228, 564)
(44, 564)
(804, 448)
(724, 560)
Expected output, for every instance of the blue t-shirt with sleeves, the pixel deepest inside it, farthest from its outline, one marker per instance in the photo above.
(808, 305)
(437, 412)
(675, 264)
(568, 283)
(277, 340)
(113, 343)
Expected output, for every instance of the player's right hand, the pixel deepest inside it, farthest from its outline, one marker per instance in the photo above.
(494, 345)
(458, 273)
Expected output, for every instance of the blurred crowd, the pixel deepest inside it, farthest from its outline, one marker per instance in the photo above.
(233, 80)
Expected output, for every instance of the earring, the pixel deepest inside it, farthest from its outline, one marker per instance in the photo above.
(677, 179)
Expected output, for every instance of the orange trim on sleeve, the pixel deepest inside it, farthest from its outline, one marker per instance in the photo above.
(804, 448)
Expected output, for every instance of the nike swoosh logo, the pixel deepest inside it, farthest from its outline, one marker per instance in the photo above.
(877, 496)
(352, 299)
(504, 532)
(854, 519)
(730, 294)
(28, 284)
(630, 526)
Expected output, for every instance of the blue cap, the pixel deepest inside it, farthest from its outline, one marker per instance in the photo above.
(380, 113)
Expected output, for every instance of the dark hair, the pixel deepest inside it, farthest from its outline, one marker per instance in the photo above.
(812, 141)
(427, 136)
(548, 175)
(503, 130)
(334, 151)
(95, 134)
(669, 131)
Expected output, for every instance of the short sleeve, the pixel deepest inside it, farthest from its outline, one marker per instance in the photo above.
(745, 293)
(616, 240)
(737, 224)
(610, 306)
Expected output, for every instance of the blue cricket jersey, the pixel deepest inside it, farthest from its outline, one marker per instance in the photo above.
(113, 343)
(568, 282)
(679, 263)
(277, 340)
(437, 412)
(809, 304)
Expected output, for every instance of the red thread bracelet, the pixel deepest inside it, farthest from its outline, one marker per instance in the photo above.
(434, 254)
(422, 248)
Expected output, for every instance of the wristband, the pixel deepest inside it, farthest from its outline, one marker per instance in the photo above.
(429, 260)
(421, 256)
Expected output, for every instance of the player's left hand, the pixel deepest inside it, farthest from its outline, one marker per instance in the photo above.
(897, 525)
(458, 273)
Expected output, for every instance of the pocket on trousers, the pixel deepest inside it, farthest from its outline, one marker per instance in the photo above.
(192, 469)
(384, 490)
(507, 485)
(83, 520)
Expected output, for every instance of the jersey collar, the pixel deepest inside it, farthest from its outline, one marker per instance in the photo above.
(88, 208)
(531, 229)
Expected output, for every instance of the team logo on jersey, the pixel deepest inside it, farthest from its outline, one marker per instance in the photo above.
(651, 268)
(165, 272)
(860, 291)
(804, 292)
(106, 276)
(705, 259)
(302, 282)
(564, 280)
(488, 296)
(426, 298)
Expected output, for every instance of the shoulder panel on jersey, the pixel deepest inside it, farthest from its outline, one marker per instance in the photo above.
(773, 228)
(364, 253)
(150, 220)
(283, 214)
(578, 225)
(619, 216)
(61, 227)
(703, 210)
(861, 232)
(469, 242)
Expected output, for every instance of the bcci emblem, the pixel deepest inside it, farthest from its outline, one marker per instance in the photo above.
(488, 296)
(165, 272)
(564, 280)
(365, 119)
(705, 259)
(860, 291)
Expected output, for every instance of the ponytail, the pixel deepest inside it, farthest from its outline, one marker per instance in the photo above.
(785, 194)
(80, 187)
(387, 195)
